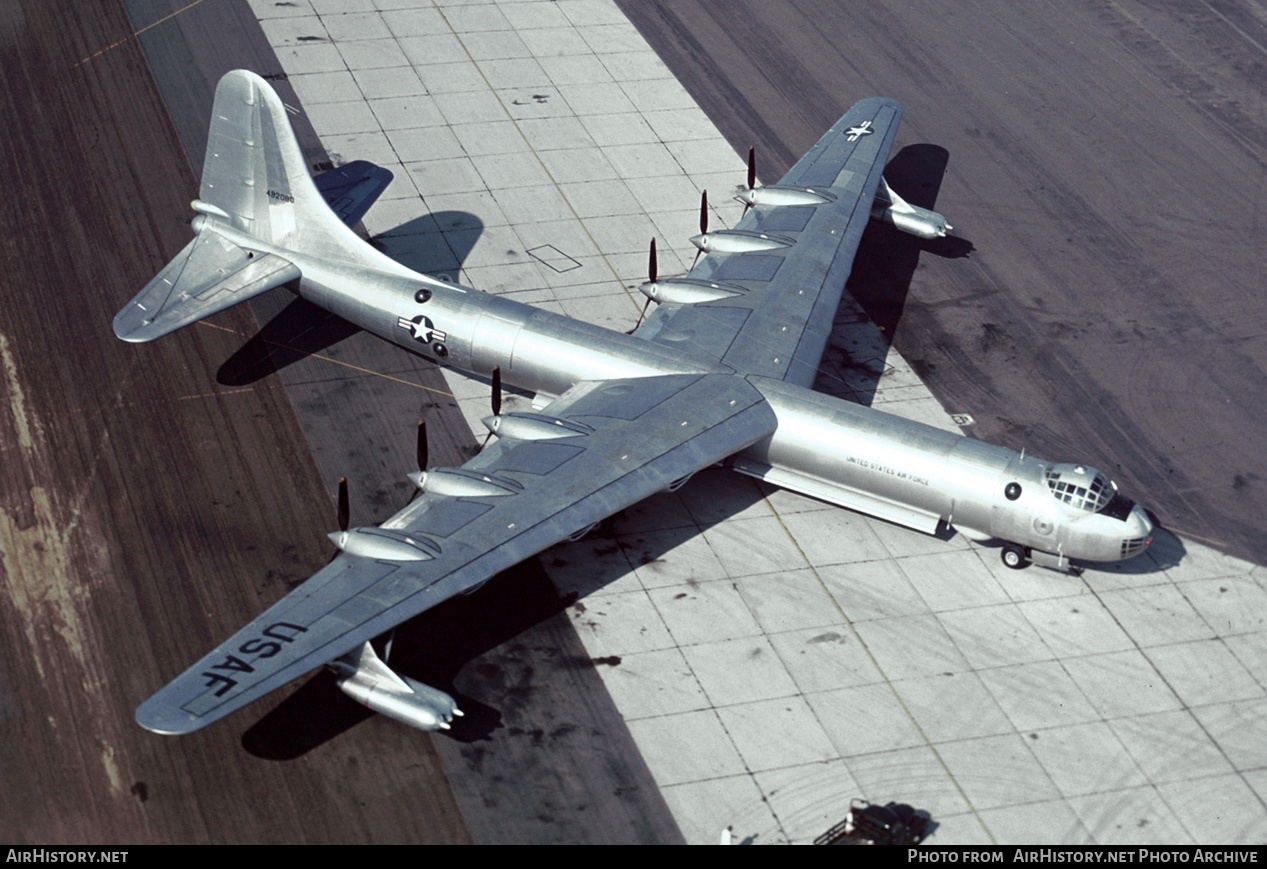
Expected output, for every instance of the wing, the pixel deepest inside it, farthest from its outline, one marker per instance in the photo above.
(780, 303)
(603, 447)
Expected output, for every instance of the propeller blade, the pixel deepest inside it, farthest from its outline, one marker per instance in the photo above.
(345, 511)
(641, 317)
(752, 176)
(703, 213)
(422, 445)
(651, 276)
(497, 400)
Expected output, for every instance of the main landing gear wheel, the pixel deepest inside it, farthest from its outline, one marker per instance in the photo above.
(1014, 556)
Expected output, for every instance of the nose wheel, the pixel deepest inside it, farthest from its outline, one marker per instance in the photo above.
(1014, 556)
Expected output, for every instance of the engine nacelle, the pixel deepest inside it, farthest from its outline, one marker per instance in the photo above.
(776, 196)
(384, 544)
(688, 291)
(739, 241)
(461, 483)
(534, 427)
(367, 680)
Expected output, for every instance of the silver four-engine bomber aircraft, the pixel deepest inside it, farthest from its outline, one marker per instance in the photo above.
(720, 372)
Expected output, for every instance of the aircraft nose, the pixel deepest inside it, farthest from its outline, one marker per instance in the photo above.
(1139, 523)
(1140, 530)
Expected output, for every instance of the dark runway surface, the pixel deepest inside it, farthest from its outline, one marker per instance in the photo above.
(1104, 164)
(157, 497)
(144, 510)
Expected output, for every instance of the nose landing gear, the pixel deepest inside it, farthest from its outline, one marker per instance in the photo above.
(1014, 556)
(1018, 557)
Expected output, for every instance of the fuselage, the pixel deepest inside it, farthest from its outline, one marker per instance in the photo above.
(838, 451)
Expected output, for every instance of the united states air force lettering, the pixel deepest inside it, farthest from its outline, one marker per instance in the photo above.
(885, 469)
(270, 641)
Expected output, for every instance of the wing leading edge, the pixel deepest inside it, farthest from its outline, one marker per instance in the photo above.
(779, 302)
(622, 441)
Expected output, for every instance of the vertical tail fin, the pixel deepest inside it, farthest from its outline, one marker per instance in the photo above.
(259, 209)
(254, 173)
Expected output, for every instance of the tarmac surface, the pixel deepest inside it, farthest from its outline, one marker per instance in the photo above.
(738, 654)
(113, 454)
(137, 494)
(1105, 162)
(553, 762)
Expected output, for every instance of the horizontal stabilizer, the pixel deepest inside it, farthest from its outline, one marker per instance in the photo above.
(352, 188)
(209, 275)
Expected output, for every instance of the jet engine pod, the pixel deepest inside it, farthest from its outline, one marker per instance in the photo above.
(370, 682)
(918, 221)
(421, 706)
(912, 219)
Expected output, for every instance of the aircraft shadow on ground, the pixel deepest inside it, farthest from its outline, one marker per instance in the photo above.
(452, 642)
(302, 329)
(854, 362)
(299, 331)
(432, 648)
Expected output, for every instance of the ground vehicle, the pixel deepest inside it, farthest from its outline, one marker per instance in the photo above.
(868, 824)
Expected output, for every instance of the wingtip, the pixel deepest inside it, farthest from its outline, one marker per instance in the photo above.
(159, 718)
(130, 325)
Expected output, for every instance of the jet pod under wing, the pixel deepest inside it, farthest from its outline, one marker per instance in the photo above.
(598, 448)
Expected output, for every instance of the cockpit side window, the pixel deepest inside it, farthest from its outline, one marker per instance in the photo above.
(1080, 489)
(1119, 507)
